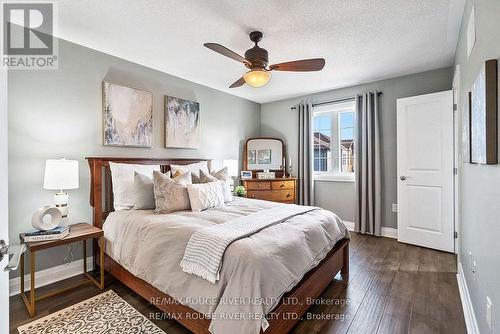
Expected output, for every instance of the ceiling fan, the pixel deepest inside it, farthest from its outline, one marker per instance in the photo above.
(257, 61)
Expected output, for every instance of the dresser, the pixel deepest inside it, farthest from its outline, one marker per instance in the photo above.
(283, 190)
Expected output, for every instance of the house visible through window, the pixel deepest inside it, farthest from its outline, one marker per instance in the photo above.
(334, 139)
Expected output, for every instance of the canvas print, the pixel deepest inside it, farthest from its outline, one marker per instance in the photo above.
(128, 116)
(264, 157)
(478, 120)
(466, 129)
(252, 157)
(182, 123)
(483, 116)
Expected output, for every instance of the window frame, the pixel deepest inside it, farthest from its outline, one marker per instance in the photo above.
(339, 114)
(335, 110)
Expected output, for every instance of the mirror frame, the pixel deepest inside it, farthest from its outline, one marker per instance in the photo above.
(279, 172)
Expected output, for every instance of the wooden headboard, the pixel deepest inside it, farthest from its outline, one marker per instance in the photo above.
(101, 189)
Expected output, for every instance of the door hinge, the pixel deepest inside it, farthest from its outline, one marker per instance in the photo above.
(455, 235)
(455, 107)
(455, 171)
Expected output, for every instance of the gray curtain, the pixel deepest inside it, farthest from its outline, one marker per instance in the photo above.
(306, 154)
(368, 187)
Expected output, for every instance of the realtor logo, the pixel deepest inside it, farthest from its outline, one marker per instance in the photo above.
(28, 30)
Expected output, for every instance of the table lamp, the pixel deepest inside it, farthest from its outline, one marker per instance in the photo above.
(232, 169)
(61, 174)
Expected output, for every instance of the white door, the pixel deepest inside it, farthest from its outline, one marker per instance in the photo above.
(425, 170)
(4, 227)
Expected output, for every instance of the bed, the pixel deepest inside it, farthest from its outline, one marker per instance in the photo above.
(262, 275)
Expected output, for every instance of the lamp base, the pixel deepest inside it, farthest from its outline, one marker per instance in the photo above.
(61, 201)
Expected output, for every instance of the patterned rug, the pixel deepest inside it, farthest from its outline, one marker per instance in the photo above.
(106, 313)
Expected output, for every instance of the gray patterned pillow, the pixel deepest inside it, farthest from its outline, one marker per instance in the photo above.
(171, 195)
(223, 176)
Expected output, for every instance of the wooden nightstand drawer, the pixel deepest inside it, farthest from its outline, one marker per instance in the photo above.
(258, 185)
(280, 185)
(273, 195)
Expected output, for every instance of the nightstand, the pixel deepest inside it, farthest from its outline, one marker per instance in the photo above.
(78, 232)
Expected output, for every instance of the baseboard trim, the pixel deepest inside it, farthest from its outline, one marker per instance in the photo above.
(387, 232)
(50, 275)
(469, 315)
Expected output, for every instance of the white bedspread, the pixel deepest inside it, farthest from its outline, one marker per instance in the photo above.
(256, 270)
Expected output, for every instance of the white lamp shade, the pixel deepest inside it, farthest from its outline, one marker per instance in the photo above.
(61, 174)
(232, 167)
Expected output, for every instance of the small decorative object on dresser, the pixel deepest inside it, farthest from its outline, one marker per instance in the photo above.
(61, 174)
(246, 174)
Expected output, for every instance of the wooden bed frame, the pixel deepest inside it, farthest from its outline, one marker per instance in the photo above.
(311, 286)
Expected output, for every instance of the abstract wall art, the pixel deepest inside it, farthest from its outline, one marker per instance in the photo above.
(127, 116)
(182, 123)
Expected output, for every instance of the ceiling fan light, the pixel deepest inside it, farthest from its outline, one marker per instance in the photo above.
(257, 78)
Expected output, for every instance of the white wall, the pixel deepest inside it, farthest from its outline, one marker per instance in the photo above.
(4, 228)
(58, 113)
(480, 184)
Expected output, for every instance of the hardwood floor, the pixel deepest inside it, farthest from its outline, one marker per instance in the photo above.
(392, 288)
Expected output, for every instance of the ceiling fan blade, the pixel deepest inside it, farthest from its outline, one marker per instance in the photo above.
(226, 52)
(305, 65)
(240, 82)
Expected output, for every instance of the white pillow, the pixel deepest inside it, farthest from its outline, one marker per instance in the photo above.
(193, 168)
(122, 176)
(205, 195)
(171, 195)
(225, 179)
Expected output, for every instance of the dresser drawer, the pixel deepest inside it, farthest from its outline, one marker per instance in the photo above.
(258, 185)
(280, 185)
(273, 195)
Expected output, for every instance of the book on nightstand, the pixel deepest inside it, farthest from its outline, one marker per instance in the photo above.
(54, 234)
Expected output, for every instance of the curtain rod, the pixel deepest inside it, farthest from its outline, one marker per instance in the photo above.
(334, 101)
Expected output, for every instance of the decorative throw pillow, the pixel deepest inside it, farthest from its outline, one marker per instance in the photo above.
(122, 176)
(144, 197)
(205, 196)
(171, 195)
(193, 168)
(225, 179)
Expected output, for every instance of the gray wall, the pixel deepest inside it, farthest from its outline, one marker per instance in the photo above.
(480, 184)
(279, 121)
(56, 114)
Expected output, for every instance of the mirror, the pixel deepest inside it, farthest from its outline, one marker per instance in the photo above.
(264, 153)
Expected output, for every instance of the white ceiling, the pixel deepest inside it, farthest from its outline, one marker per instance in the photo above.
(361, 40)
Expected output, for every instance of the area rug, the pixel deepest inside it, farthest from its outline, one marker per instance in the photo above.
(106, 313)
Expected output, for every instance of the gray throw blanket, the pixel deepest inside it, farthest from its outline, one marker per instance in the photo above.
(206, 247)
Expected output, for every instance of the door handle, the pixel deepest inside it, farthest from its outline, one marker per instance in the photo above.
(402, 178)
(15, 250)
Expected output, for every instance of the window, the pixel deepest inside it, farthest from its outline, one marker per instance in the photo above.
(333, 132)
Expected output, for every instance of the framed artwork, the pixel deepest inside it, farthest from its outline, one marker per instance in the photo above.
(127, 116)
(246, 174)
(252, 156)
(466, 129)
(182, 123)
(483, 112)
(264, 157)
